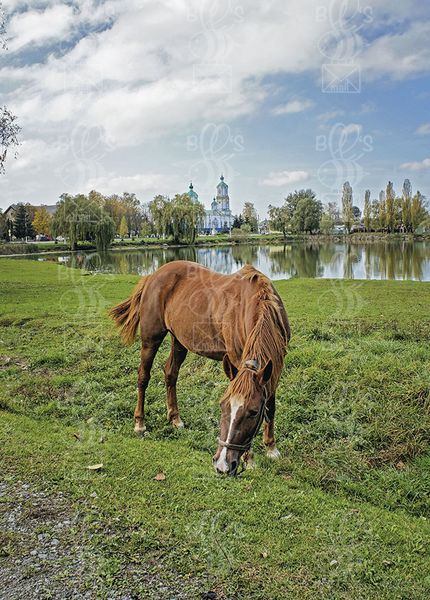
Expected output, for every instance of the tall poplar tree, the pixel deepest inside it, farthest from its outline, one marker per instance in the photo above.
(406, 204)
(390, 197)
(367, 212)
(347, 212)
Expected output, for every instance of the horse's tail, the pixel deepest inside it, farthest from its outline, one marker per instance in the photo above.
(127, 314)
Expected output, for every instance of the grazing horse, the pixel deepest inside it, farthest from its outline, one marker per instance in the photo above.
(238, 319)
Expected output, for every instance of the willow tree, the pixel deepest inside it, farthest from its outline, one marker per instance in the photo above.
(104, 232)
(185, 216)
(158, 209)
(79, 219)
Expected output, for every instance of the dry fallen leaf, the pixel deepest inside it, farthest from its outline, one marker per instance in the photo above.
(76, 436)
(264, 554)
(160, 477)
(95, 467)
(387, 563)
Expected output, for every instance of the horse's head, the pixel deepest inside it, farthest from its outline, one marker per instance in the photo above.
(242, 411)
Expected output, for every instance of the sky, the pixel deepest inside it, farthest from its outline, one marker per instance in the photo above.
(145, 96)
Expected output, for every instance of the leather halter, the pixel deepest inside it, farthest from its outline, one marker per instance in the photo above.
(251, 365)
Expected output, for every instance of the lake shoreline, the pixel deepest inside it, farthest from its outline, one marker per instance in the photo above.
(317, 258)
(33, 248)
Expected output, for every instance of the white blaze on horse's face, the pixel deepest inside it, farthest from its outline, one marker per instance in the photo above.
(221, 465)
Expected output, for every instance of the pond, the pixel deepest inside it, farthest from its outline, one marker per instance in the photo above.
(379, 260)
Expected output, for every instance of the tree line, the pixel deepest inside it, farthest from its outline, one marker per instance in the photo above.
(97, 219)
(393, 213)
(89, 218)
(302, 212)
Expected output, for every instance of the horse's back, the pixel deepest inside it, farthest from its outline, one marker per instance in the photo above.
(207, 312)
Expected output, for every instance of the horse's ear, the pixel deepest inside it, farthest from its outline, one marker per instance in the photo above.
(265, 373)
(229, 368)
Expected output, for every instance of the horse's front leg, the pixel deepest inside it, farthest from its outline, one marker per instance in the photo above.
(269, 429)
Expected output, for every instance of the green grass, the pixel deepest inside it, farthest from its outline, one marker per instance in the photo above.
(353, 426)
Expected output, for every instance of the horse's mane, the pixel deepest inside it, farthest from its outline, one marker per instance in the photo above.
(268, 338)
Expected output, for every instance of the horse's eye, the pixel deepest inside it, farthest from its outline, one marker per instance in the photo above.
(252, 413)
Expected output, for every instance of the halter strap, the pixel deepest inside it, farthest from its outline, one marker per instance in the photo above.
(248, 444)
(239, 447)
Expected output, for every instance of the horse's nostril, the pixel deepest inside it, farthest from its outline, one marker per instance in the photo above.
(233, 467)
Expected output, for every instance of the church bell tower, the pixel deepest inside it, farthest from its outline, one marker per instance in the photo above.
(222, 196)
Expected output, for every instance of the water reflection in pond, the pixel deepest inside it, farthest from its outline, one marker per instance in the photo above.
(393, 260)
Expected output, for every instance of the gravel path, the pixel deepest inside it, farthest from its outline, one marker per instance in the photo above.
(45, 554)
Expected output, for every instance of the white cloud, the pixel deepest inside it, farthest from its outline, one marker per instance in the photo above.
(117, 184)
(398, 55)
(284, 178)
(330, 115)
(37, 27)
(33, 154)
(294, 106)
(416, 166)
(423, 129)
(138, 80)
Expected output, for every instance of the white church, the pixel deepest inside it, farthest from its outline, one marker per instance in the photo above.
(219, 217)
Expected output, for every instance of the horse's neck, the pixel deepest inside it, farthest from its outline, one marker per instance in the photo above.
(265, 341)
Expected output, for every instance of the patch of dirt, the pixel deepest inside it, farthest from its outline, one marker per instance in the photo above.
(41, 552)
(7, 361)
(45, 553)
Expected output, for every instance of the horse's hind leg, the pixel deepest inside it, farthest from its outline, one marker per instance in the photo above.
(176, 357)
(269, 427)
(147, 355)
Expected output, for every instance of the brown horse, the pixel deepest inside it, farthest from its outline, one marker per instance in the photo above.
(238, 319)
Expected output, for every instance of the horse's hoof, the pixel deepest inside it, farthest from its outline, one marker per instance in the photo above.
(273, 453)
(178, 423)
(139, 429)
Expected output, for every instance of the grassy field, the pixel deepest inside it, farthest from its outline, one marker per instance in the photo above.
(342, 515)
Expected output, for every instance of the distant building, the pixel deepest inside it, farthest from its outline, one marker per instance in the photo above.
(219, 217)
(9, 213)
(192, 194)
